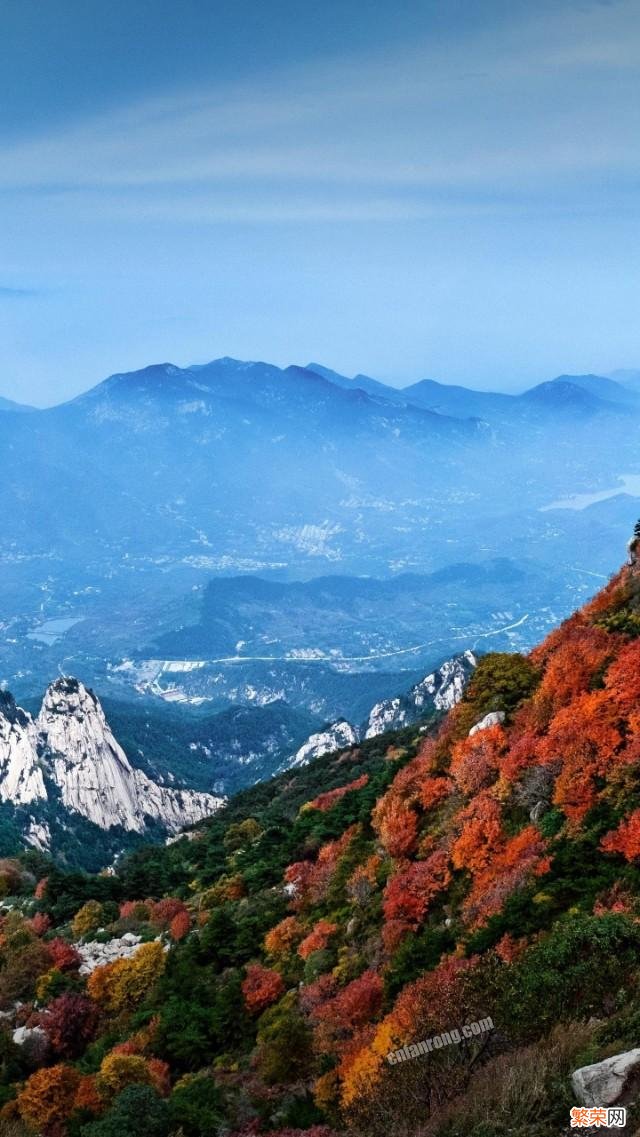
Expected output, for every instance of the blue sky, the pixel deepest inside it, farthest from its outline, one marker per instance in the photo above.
(439, 189)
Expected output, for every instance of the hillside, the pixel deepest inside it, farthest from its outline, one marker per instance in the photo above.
(482, 870)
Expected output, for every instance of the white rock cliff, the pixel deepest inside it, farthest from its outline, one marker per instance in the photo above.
(70, 748)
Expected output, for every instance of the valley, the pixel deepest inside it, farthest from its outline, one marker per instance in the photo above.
(166, 539)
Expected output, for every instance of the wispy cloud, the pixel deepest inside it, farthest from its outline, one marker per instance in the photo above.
(8, 293)
(541, 107)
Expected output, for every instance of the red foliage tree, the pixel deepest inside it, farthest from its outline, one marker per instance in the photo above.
(261, 987)
(475, 761)
(160, 1076)
(180, 925)
(309, 880)
(509, 867)
(40, 923)
(625, 839)
(70, 1022)
(355, 1005)
(409, 893)
(63, 955)
(327, 800)
(164, 911)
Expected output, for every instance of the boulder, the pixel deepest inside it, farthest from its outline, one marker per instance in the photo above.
(28, 1034)
(494, 718)
(604, 1082)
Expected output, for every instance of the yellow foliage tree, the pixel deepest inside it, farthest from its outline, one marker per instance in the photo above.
(87, 919)
(118, 1071)
(123, 984)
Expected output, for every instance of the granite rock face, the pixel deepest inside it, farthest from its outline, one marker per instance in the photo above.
(70, 753)
(604, 1083)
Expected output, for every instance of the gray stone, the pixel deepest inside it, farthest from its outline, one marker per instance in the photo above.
(26, 1034)
(494, 718)
(604, 1082)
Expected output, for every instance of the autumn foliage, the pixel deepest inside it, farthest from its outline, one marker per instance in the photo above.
(261, 987)
(48, 1096)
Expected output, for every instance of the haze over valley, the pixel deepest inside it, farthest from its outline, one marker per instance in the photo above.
(235, 540)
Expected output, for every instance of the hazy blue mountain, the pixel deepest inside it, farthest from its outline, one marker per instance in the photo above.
(462, 402)
(566, 397)
(337, 616)
(603, 387)
(577, 394)
(9, 405)
(364, 382)
(126, 511)
(628, 377)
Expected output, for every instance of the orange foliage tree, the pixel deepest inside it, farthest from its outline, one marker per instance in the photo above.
(48, 1097)
(317, 939)
(282, 939)
(123, 984)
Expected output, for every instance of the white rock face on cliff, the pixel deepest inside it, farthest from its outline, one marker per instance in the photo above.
(93, 773)
(70, 749)
(21, 778)
(439, 691)
(337, 737)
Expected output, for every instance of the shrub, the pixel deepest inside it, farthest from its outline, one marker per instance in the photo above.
(48, 1096)
(137, 1110)
(87, 919)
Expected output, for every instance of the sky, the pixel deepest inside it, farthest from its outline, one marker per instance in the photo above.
(441, 189)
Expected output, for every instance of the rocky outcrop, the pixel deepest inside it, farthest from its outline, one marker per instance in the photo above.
(339, 736)
(606, 1082)
(93, 773)
(494, 718)
(95, 954)
(439, 691)
(69, 752)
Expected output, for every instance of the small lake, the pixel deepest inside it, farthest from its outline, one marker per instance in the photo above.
(52, 630)
(628, 483)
